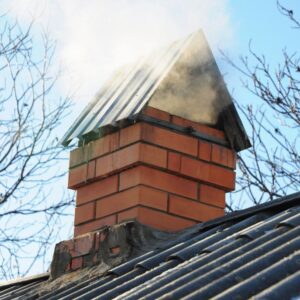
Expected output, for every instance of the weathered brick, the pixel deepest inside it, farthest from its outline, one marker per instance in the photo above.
(212, 195)
(155, 219)
(77, 263)
(115, 250)
(84, 213)
(83, 245)
(204, 150)
(209, 173)
(193, 210)
(157, 114)
(77, 176)
(139, 195)
(97, 189)
(174, 160)
(99, 237)
(95, 225)
(158, 179)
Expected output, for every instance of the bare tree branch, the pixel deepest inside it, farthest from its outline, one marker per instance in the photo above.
(30, 115)
(271, 168)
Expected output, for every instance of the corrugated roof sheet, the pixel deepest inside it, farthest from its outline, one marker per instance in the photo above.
(194, 89)
(128, 91)
(252, 253)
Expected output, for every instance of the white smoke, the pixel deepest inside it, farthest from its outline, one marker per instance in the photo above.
(96, 36)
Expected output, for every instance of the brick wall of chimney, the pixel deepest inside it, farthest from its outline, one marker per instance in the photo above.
(161, 177)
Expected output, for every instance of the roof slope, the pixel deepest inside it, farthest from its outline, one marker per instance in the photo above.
(182, 79)
(251, 253)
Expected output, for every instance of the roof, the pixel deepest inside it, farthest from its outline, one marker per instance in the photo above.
(254, 252)
(182, 79)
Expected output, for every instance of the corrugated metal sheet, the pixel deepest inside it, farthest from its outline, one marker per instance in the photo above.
(127, 92)
(253, 253)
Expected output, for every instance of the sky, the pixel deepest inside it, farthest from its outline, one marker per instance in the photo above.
(95, 37)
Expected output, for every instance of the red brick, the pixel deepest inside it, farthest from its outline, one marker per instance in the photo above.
(219, 155)
(157, 114)
(114, 141)
(232, 159)
(207, 172)
(129, 214)
(99, 237)
(100, 146)
(69, 267)
(129, 156)
(153, 155)
(156, 219)
(153, 198)
(83, 245)
(78, 156)
(212, 195)
(115, 250)
(138, 195)
(97, 190)
(193, 210)
(77, 176)
(198, 127)
(174, 161)
(104, 165)
(179, 121)
(204, 151)
(95, 225)
(222, 177)
(84, 213)
(118, 202)
(77, 263)
(159, 136)
(117, 160)
(170, 139)
(158, 179)
(91, 170)
(124, 157)
(130, 134)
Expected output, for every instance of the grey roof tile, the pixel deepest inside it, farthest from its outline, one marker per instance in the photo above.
(253, 253)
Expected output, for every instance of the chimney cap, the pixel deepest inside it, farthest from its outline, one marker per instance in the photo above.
(182, 79)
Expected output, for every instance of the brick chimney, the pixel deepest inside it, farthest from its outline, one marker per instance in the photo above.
(157, 144)
(165, 176)
(156, 155)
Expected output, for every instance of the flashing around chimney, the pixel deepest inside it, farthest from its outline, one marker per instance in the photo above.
(106, 248)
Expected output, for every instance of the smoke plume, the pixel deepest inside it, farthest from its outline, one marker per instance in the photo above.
(95, 37)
